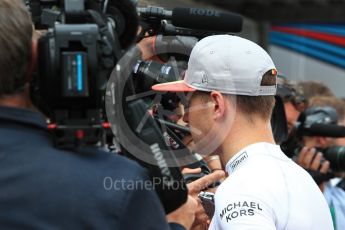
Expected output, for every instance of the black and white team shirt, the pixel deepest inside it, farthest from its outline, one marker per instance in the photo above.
(267, 190)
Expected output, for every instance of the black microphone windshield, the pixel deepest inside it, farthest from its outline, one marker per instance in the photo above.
(207, 19)
(326, 130)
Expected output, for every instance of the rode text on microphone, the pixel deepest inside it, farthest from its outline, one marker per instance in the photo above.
(188, 21)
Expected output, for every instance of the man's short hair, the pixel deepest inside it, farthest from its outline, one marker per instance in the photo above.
(261, 106)
(15, 45)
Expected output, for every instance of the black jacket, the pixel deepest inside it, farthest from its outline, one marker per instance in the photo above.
(42, 187)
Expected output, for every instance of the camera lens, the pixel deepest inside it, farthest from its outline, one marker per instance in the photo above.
(336, 156)
(148, 73)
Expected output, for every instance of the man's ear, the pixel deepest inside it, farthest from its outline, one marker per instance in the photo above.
(219, 105)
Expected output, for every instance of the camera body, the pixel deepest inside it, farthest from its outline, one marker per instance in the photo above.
(335, 155)
(207, 202)
(318, 121)
(76, 56)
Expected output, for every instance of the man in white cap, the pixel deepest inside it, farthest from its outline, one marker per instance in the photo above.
(233, 82)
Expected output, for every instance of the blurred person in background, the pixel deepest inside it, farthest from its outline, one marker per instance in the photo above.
(334, 189)
(315, 94)
(337, 103)
(294, 104)
(339, 106)
(314, 88)
(293, 99)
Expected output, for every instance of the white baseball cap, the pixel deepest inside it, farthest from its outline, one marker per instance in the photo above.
(228, 64)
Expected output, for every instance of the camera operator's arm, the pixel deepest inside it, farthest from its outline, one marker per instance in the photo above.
(310, 159)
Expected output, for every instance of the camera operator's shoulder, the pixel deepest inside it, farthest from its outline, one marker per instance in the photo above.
(98, 176)
(105, 163)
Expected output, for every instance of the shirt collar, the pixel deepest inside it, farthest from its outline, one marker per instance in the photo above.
(22, 116)
(243, 155)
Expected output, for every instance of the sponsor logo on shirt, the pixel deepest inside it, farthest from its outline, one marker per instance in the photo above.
(239, 160)
(239, 209)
